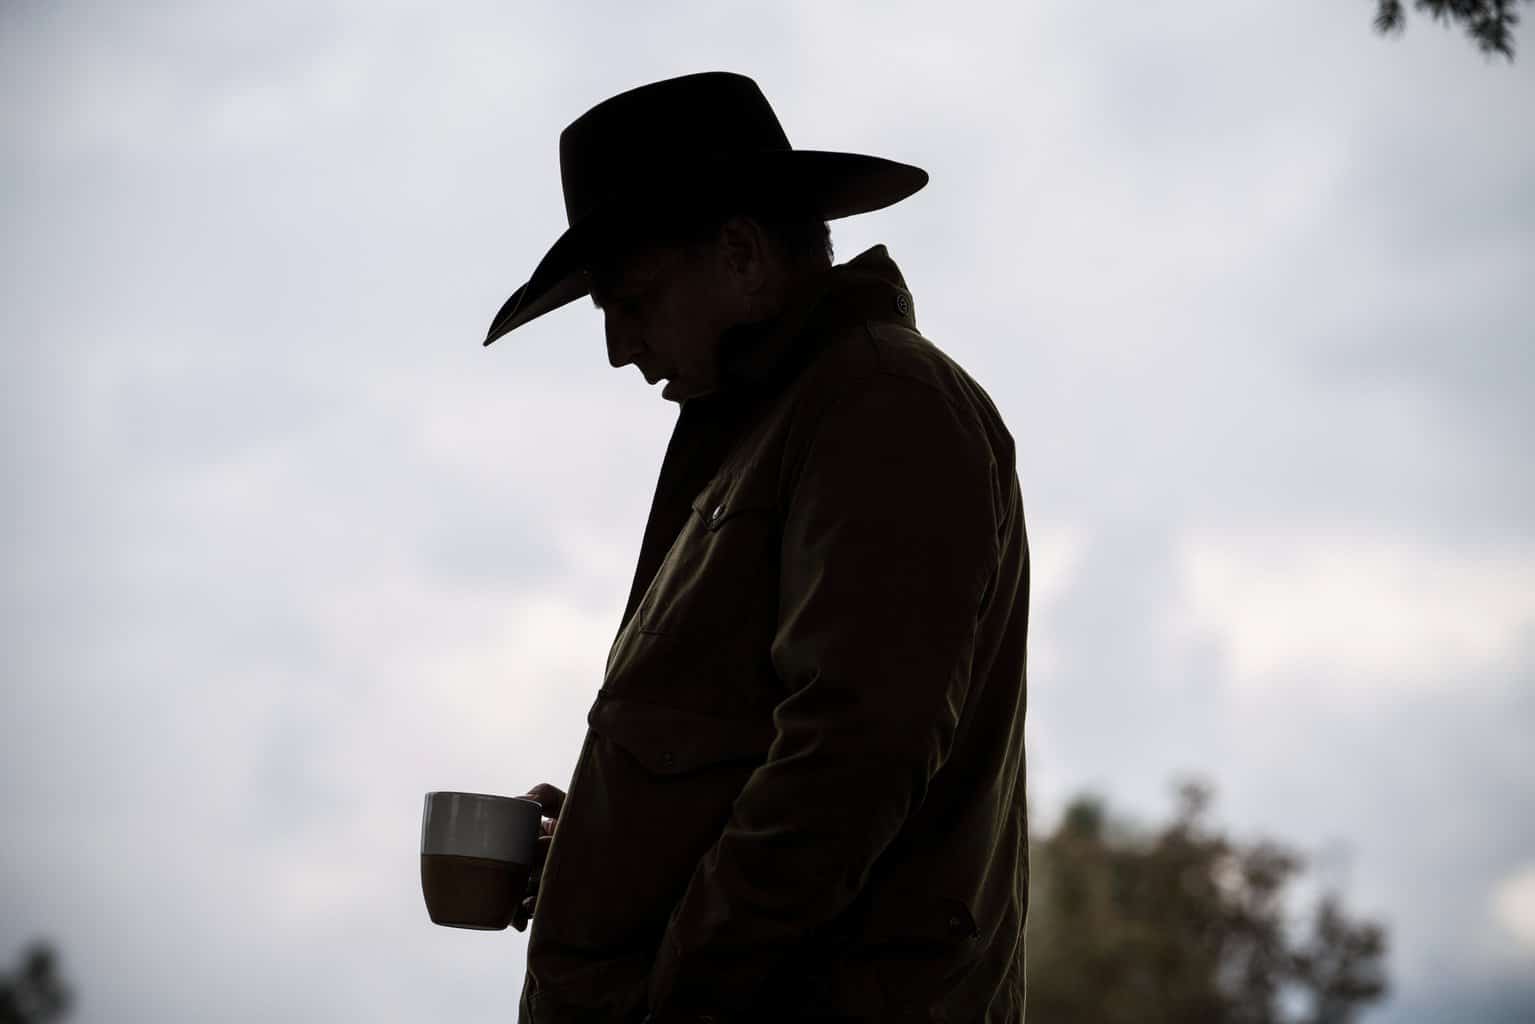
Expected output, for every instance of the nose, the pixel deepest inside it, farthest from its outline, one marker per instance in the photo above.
(621, 346)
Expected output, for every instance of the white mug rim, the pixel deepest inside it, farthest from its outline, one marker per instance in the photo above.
(482, 796)
(500, 836)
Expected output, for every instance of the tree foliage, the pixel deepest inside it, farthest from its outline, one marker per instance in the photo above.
(35, 993)
(1489, 22)
(1185, 925)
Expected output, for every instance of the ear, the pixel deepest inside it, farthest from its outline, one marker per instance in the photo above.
(746, 252)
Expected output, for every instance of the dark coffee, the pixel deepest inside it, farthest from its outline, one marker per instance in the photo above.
(472, 892)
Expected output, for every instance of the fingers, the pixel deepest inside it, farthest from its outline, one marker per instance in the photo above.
(540, 854)
(551, 799)
(524, 909)
(549, 796)
(536, 869)
(521, 915)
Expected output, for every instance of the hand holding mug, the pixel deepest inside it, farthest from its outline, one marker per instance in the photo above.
(551, 799)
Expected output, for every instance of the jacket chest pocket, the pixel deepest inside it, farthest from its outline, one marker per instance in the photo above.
(720, 564)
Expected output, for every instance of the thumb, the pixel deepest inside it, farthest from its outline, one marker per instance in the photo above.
(550, 797)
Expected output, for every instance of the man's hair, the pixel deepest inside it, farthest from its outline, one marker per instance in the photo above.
(801, 234)
(790, 222)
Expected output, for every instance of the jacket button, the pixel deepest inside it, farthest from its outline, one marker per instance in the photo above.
(668, 759)
(902, 305)
(955, 924)
(714, 516)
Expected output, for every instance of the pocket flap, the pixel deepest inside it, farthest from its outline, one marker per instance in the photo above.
(929, 920)
(671, 741)
(724, 498)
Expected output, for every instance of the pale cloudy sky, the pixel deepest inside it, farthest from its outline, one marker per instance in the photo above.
(286, 548)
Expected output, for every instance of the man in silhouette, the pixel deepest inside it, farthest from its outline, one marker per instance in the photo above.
(801, 792)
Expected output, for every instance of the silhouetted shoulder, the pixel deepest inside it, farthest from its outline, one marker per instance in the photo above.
(859, 352)
(907, 353)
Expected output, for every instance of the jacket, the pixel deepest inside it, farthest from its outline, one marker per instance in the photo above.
(800, 796)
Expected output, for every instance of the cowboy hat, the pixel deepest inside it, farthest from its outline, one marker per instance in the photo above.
(668, 145)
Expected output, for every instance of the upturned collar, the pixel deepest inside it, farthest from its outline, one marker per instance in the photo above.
(869, 286)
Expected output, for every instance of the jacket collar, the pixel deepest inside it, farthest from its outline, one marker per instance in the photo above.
(757, 357)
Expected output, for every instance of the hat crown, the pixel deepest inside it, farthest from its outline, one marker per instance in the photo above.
(661, 133)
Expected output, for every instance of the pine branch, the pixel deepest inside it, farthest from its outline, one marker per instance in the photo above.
(1489, 23)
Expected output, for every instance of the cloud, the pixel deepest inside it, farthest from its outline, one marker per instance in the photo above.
(1360, 614)
(1513, 904)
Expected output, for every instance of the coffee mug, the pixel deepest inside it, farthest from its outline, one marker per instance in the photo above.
(476, 852)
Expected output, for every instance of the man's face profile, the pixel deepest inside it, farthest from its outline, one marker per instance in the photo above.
(662, 310)
(666, 304)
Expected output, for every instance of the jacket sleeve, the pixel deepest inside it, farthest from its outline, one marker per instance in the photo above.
(889, 542)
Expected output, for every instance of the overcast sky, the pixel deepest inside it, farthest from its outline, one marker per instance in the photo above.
(286, 548)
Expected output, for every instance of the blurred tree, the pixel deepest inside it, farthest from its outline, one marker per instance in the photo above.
(1489, 22)
(35, 993)
(1184, 925)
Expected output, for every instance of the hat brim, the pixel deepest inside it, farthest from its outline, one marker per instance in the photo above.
(836, 184)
